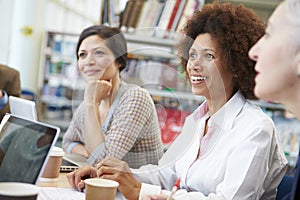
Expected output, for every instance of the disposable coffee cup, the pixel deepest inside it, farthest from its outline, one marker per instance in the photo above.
(52, 169)
(100, 189)
(18, 191)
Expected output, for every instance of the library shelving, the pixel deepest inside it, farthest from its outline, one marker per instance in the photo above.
(58, 73)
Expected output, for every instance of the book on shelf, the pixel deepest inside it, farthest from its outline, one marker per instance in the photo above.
(125, 15)
(134, 15)
(173, 14)
(157, 18)
(104, 16)
(146, 19)
(108, 13)
(165, 18)
(174, 19)
(188, 11)
(177, 17)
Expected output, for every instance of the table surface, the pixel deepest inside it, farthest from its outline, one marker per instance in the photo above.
(62, 182)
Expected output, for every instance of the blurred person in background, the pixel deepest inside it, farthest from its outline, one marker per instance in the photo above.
(9, 86)
(277, 56)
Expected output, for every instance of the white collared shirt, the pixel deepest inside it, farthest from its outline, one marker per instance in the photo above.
(240, 156)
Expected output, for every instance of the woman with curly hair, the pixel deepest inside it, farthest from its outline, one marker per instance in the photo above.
(228, 148)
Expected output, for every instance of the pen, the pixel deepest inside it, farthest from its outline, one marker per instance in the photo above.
(174, 189)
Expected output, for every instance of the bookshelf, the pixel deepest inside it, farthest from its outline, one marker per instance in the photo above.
(156, 18)
(58, 80)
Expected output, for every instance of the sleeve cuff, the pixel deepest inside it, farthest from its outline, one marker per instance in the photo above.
(70, 146)
(96, 154)
(4, 99)
(147, 189)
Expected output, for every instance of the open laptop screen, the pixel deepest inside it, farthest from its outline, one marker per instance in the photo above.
(24, 149)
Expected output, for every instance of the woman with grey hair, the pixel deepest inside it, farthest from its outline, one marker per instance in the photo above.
(277, 56)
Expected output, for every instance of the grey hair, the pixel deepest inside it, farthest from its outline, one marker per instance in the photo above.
(293, 15)
(293, 11)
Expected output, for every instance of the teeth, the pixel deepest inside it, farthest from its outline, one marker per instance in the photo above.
(198, 78)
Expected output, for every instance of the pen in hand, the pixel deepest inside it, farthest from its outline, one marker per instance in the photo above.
(174, 189)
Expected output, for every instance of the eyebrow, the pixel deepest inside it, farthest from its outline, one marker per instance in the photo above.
(204, 49)
(98, 47)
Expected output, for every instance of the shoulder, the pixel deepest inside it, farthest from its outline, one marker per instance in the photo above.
(8, 70)
(253, 117)
(135, 92)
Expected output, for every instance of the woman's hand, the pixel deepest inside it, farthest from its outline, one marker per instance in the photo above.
(117, 170)
(96, 90)
(76, 177)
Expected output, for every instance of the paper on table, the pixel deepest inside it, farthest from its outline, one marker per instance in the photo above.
(53, 193)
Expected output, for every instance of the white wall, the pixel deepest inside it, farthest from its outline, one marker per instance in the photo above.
(5, 21)
(22, 51)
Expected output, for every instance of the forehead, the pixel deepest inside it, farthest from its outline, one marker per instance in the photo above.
(283, 24)
(92, 42)
(281, 19)
(204, 41)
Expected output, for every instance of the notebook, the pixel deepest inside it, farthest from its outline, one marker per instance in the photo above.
(22, 107)
(71, 162)
(24, 148)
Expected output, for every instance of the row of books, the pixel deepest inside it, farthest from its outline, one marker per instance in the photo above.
(157, 18)
(155, 74)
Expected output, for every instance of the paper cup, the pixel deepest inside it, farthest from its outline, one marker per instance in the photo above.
(100, 189)
(18, 191)
(52, 169)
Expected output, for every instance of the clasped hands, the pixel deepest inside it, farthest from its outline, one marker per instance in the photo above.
(113, 169)
(108, 168)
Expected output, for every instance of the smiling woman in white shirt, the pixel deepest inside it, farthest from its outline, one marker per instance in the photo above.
(228, 147)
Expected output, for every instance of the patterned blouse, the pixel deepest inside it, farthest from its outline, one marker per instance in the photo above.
(131, 130)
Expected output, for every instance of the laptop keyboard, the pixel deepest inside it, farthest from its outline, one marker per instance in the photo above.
(67, 163)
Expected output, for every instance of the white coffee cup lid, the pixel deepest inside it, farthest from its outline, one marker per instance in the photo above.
(18, 189)
(101, 182)
(57, 151)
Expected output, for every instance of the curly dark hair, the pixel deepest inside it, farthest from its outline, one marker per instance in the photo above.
(235, 29)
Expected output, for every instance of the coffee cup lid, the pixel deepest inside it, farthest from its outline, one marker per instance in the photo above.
(57, 151)
(18, 189)
(101, 182)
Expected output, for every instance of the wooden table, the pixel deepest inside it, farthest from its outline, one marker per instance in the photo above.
(61, 183)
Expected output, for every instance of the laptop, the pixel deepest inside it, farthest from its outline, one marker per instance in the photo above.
(72, 162)
(22, 107)
(24, 148)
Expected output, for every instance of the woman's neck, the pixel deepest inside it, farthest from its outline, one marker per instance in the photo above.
(216, 102)
(116, 83)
